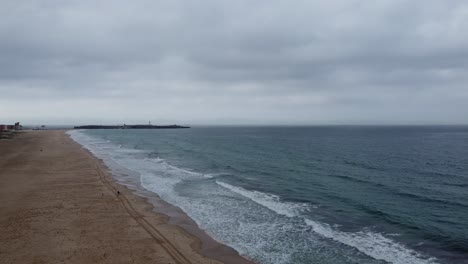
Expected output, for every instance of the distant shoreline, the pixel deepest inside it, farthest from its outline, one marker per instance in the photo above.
(131, 127)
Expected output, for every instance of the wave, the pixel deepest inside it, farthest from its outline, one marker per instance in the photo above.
(231, 222)
(215, 175)
(128, 156)
(270, 201)
(455, 184)
(394, 191)
(353, 179)
(362, 165)
(371, 244)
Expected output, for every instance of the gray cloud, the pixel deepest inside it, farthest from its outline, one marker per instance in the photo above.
(268, 62)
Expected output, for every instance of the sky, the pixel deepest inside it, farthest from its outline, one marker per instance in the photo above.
(266, 62)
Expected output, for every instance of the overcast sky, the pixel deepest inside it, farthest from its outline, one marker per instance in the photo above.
(234, 62)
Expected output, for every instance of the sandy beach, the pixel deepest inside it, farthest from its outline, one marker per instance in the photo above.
(58, 204)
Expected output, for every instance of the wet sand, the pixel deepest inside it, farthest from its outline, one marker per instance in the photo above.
(58, 204)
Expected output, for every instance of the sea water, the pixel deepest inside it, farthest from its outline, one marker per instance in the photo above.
(331, 194)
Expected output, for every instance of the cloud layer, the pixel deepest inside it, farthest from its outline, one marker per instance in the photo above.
(234, 62)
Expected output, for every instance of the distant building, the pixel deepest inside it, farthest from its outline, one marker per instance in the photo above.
(16, 126)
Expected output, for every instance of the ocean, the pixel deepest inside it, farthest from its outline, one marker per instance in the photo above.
(320, 194)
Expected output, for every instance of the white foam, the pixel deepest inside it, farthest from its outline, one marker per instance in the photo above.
(372, 244)
(212, 215)
(270, 201)
(214, 175)
(229, 220)
(125, 156)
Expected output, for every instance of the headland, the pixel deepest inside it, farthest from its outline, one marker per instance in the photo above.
(131, 127)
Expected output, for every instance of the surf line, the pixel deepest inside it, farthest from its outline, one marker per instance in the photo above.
(177, 256)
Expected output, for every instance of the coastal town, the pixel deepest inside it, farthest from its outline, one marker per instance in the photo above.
(5, 128)
(8, 131)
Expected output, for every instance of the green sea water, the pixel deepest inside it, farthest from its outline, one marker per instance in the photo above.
(331, 194)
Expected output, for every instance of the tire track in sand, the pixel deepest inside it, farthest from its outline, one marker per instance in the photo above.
(169, 247)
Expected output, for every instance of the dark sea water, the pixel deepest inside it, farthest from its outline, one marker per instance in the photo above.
(337, 194)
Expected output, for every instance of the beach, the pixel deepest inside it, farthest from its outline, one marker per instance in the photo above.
(59, 204)
(293, 195)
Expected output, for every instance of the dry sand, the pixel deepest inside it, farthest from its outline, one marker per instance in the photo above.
(58, 204)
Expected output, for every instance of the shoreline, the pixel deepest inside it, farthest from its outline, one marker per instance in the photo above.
(204, 243)
(62, 204)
